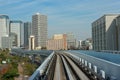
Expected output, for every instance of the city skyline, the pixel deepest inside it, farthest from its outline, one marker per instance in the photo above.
(63, 16)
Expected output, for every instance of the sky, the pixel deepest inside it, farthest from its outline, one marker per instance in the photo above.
(64, 16)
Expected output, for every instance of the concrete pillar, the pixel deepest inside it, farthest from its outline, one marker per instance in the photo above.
(85, 63)
(31, 42)
(95, 68)
(82, 61)
(90, 66)
(102, 73)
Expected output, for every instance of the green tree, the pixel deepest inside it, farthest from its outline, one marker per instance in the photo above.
(29, 68)
(2, 56)
(11, 73)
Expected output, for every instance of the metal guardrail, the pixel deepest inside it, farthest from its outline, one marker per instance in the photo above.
(41, 68)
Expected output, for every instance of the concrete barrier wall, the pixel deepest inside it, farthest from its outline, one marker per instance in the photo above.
(40, 70)
(112, 70)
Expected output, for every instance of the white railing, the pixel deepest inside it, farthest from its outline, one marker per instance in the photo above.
(40, 70)
(100, 66)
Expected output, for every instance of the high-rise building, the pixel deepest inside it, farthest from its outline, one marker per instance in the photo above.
(27, 33)
(4, 27)
(118, 31)
(16, 27)
(31, 42)
(104, 33)
(39, 29)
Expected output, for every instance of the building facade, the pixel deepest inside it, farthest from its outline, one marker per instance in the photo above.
(104, 33)
(4, 27)
(6, 42)
(79, 44)
(39, 29)
(86, 44)
(71, 41)
(14, 39)
(59, 42)
(27, 33)
(118, 31)
(16, 27)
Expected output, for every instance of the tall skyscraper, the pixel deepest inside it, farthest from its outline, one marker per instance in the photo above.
(4, 27)
(16, 27)
(104, 33)
(27, 33)
(39, 29)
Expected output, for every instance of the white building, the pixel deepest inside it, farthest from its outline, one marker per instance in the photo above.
(39, 29)
(71, 41)
(86, 44)
(104, 33)
(16, 27)
(31, 42)
(6, 42)
(80, 44)
(4, 27)
(14, 39)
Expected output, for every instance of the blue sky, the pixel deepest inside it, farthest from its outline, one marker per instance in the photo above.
(63, 15)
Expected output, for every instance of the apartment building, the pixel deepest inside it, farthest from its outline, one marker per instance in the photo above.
(58, 42)
(4, 27)
(16, 27)
(104, 33)
(39, 29)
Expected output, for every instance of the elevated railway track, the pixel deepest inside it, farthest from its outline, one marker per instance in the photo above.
(67, 68)
(62, 66)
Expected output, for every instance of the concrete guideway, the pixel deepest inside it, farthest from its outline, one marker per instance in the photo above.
(81, 75)
(70, 68)
(62, 66)
(68, 71)
(59, 73)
